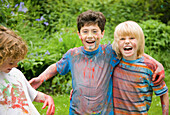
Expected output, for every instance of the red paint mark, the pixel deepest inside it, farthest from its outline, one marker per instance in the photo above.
(93, 73)
(114, 61)
(41, 101)
(16, 101)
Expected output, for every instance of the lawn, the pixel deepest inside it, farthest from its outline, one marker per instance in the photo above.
(62, 105)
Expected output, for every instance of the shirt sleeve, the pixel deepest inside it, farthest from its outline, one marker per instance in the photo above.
(31, 91)
(160, 89)
(63, 65)
(114, 60)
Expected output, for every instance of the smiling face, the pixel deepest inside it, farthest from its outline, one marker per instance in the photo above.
(90, 36)
(129, 40)
(128, 47)
(8, 64)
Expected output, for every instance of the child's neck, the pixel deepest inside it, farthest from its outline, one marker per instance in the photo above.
(130, 58)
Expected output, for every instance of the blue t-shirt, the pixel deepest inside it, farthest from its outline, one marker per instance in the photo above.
(91, 79)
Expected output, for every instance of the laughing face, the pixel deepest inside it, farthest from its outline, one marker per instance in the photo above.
(7, 65)
(128, 47)
(90, 37)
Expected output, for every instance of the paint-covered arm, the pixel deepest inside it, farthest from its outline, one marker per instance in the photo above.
(165, 103)
(47, 74)
(47, 100)
(159, 74)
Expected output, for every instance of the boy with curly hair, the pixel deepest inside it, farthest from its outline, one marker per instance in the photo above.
(16, 94)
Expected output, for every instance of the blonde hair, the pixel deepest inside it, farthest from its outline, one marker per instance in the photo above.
(11, 45)
(129, 28)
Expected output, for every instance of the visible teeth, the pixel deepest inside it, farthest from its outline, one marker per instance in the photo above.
(127, 48)
(90, 41)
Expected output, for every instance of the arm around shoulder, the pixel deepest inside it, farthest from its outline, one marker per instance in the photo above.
(159, 74)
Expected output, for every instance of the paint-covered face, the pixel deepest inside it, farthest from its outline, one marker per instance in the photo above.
(8, 65)
(90, 37)
(128, 47)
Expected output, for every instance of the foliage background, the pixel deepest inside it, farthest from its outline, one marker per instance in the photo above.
(49, 28)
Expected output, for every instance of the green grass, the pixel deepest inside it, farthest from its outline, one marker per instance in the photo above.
(62, 103)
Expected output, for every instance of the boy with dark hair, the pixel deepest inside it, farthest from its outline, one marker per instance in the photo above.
(91, 66)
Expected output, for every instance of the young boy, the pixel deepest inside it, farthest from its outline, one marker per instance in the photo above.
(132, 78)
(91, 67)
(16, 94)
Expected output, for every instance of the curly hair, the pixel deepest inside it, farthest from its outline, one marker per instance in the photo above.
(91, 17)
(11, 45)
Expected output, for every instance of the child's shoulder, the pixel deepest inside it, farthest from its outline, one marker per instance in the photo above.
(16, 71)
(74, 50)
(106, 47)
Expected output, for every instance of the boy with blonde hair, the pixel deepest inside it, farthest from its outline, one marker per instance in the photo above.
(132, 78)
(16, 94)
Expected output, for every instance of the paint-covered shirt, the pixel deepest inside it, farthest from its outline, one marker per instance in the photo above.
(16, 94)
(91, 79)
(133, 87)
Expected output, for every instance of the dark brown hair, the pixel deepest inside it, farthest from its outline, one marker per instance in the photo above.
(89, 18)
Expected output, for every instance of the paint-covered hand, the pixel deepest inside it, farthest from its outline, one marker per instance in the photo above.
(50, 103)
(159, 74)
(35, 82)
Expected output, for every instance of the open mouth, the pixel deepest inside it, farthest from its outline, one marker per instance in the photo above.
(127, 48)
(90, 42)
(9, 69)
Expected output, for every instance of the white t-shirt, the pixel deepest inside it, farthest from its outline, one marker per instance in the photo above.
(16, 94)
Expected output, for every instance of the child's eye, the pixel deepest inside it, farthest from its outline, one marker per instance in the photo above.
(132, 38)
(94, 31)
(122, 38)
(11, 63)
(85, 31)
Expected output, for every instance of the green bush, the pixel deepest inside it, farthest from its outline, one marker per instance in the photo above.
(157, 41)
(49, 28)
(46, 52)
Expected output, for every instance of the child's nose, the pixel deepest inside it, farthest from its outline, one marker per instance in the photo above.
(127, 41)
(90, 35)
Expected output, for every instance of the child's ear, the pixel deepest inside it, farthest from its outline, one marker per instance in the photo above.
(102, 34)
(79, 34)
